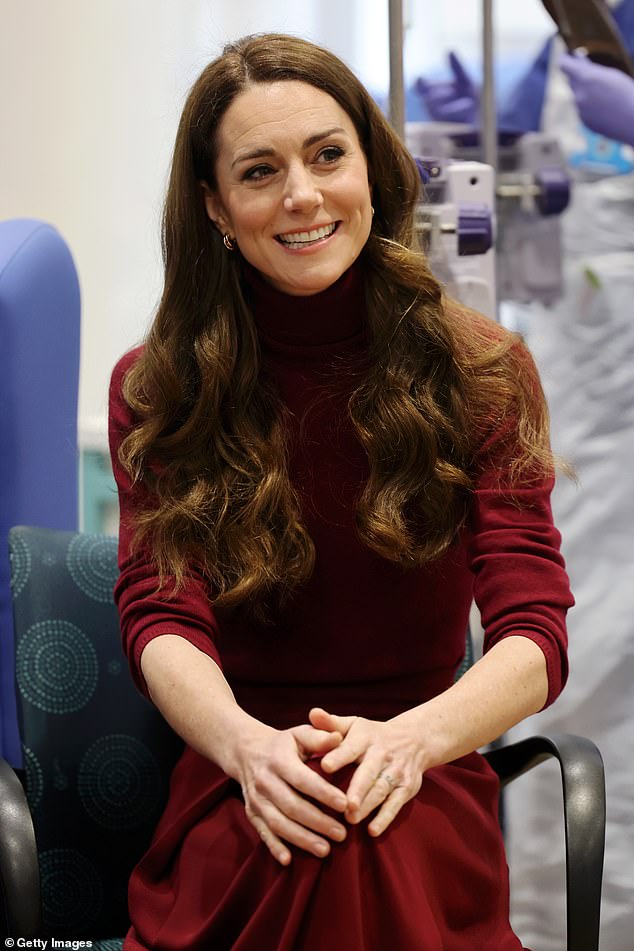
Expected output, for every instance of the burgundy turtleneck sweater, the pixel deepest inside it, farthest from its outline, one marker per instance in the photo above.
(362, 636)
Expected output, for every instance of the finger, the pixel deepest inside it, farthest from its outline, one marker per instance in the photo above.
(275, 846)
(572, 65)
(279, 828)
(322, 720)
(566, 62)
(350, 750)
(308, 782)
(389, 811)
(308, 815)
(311, 739)
(370, 786)
(463, 78)
(421, 86)
(438, 93)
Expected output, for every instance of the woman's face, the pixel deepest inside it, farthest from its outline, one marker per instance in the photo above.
(292, 185)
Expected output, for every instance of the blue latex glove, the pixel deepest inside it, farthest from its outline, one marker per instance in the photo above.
(454, 100)
(604, 97)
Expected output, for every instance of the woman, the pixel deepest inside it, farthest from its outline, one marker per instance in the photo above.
(320, 460)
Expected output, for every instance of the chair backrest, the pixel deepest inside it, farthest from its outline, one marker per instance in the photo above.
(97, 755)
(39, 377)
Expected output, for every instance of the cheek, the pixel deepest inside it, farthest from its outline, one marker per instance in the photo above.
(357, 194)
(252, 217)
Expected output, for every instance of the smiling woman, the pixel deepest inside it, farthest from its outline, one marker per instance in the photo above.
(320, 461)
(293, 190)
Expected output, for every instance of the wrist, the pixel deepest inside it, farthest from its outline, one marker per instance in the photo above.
(420, 737)
(430, 731)
(241, 734)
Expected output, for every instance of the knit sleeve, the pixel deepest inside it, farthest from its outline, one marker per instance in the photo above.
(144, 611)
(521, 586)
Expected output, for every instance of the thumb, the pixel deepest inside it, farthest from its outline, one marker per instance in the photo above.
(315, 740)
(462, 77)
(574, 67)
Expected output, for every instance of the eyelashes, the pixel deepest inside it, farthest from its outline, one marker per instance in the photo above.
(329, 155)
(257, 173)
(333, 152)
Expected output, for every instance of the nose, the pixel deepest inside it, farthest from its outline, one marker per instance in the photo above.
(302, 192)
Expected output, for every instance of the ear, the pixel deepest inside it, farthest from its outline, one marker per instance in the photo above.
(214, 209)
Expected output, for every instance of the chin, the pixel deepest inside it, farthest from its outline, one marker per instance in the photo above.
(303, 285)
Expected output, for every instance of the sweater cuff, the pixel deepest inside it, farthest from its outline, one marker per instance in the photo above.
(556, 664)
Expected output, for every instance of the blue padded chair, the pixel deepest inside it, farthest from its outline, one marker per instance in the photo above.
(39, 375)
(98, 757)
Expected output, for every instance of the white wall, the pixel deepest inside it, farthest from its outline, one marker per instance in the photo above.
(90, 94)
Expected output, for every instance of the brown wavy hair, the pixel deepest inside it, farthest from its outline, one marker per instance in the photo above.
(210, 439)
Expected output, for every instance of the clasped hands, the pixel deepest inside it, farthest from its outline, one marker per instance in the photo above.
(289, 802)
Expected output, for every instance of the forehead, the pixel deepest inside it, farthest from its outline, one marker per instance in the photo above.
(266, 114)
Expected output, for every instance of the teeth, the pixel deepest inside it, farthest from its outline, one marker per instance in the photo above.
(299, 238)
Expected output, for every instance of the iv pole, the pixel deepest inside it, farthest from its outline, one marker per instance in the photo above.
(397, 87)
(488, 132)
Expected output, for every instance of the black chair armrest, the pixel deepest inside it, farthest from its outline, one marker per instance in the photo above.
(584, 821)
(19, 867)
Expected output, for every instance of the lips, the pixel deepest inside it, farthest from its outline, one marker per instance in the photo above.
(303, 239)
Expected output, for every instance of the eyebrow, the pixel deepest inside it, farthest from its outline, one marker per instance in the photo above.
(265, 152)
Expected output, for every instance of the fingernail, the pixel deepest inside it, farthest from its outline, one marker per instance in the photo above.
(338, 833)
(322, 848)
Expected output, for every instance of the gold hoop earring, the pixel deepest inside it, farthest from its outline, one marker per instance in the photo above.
(228, 242)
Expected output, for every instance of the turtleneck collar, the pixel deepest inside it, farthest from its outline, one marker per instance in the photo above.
(333, 316)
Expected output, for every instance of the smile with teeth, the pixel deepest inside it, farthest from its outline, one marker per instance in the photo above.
(303, 239)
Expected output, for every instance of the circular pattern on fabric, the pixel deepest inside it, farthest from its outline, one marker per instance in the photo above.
(72, 894)
(20, 557)
(92, 563)
(119, 782)
(110, 944)
(34, 778)
(56, 666)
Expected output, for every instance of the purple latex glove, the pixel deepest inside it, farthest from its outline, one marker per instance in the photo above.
(454, 100)
(604, 96)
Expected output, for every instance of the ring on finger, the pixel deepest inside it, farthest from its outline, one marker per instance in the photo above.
(388, 779)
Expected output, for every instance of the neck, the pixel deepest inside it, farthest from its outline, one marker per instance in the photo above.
(332, 316)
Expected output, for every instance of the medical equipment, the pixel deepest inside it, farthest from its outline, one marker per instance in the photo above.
(531, 189)
(456, 223)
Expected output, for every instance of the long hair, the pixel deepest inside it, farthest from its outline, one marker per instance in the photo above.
(210, 440)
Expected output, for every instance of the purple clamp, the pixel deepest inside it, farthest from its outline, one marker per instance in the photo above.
(475, 230)
(554, 190)
(429, 169)
(423, 169)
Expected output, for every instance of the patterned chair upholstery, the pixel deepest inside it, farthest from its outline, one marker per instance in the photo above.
(98, 758)
(97, 755)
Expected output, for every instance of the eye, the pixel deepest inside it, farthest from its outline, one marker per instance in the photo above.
(257, 173)
(330, 154)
